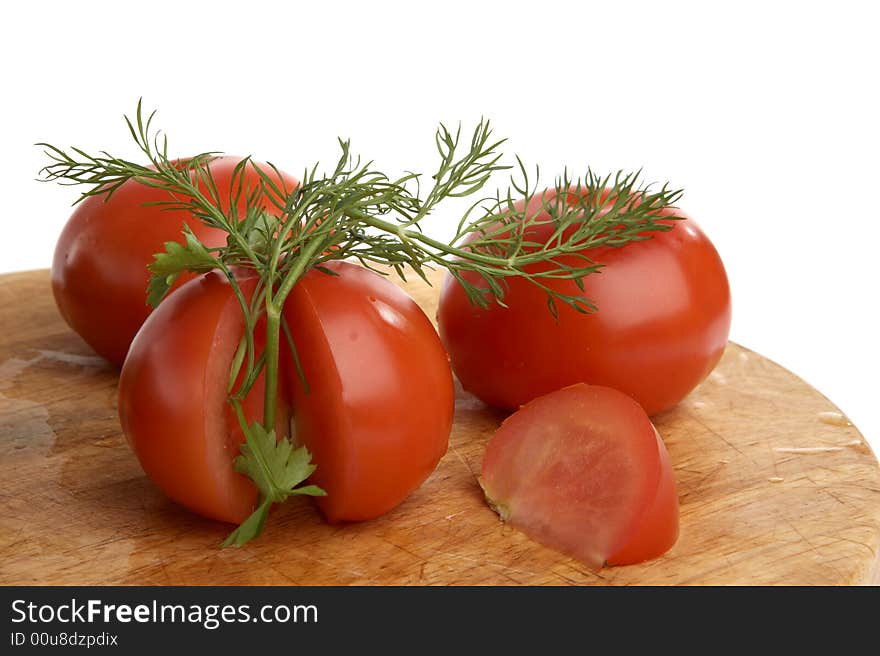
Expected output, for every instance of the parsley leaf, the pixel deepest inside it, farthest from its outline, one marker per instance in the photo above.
(276, 468)
(177, 258)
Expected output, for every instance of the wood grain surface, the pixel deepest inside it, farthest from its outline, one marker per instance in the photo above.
(775, 487)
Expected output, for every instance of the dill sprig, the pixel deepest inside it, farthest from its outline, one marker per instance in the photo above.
(358, 212)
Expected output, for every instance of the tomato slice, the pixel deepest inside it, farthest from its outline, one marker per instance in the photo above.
(583, 470)
(378, 409)
(172, 398)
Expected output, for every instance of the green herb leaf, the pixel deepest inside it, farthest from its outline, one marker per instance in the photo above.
(249, 528)
(261, 232)
(273, 465)
(276, 468)
(177, 258)
(356, 212)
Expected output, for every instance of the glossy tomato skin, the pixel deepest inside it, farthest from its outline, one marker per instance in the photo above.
(378, 410)
(657, 527)
(662, 325)
(582, 470)
(172, 398)
(99, 270)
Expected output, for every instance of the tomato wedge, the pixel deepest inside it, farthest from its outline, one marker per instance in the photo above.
(583, 470)
(172, 398)
(378, 409)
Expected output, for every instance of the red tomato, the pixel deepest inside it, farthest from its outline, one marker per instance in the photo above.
(172, 398)
(583, 470)
(376, 416)
(99, 272)
(662, 325)
(379, 408)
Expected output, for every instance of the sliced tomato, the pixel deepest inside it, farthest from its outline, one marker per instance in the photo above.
(173, 398)
(583, 470)
(377, 412)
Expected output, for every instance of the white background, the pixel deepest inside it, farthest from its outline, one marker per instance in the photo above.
(766, 113)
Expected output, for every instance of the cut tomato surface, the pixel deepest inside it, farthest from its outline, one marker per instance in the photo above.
(377, 409)
(582, 470)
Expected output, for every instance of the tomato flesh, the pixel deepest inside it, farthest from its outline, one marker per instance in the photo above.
(378, 410)
(582, 470)
(662, 324)
(172, 398)
(99, 270)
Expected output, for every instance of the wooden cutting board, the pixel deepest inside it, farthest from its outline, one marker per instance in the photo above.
(776, 487)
